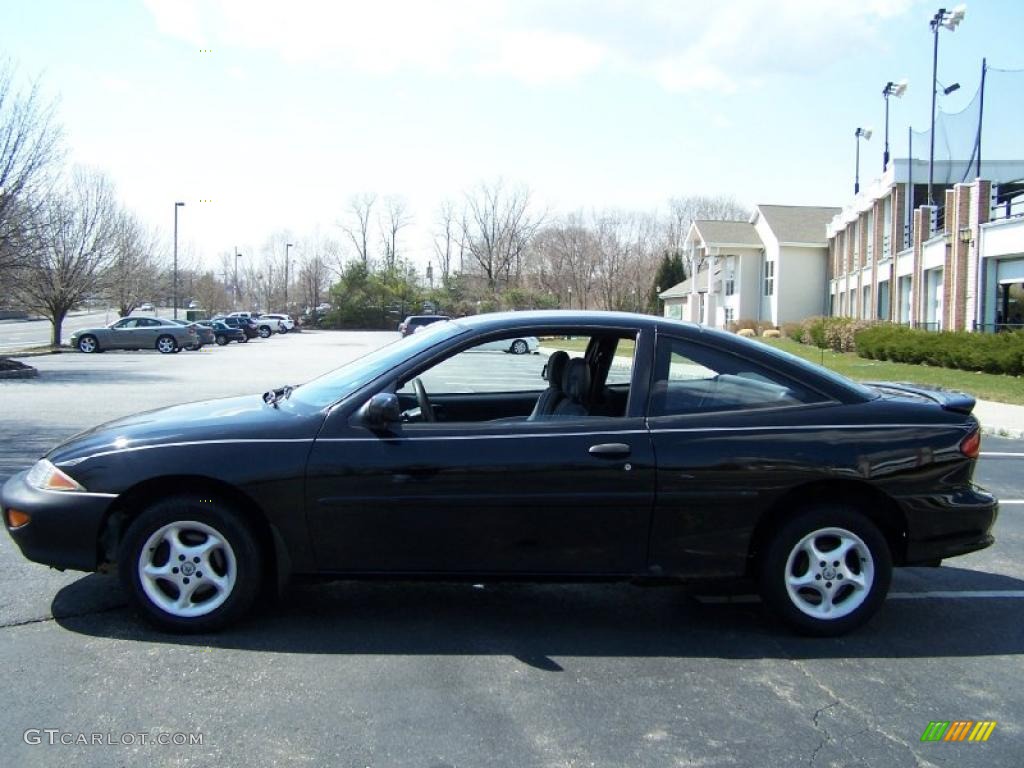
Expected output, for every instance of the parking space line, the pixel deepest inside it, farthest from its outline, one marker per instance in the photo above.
(1002, 455)
(1011, 501)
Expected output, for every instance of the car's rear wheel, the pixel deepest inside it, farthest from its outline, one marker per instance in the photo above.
(88, 344)
(165, 345)
(221, 339)
(265, 332)
(520, 347)
(243, 338)
(826, 571)
(190, 564)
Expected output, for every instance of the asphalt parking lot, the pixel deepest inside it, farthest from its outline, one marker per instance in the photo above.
(433, 675)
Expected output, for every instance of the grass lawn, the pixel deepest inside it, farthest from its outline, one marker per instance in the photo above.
(984, 386)
(579, 345)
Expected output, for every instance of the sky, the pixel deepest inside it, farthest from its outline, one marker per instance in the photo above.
(269, 116)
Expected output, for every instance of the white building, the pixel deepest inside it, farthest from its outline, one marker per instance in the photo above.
(772, 269)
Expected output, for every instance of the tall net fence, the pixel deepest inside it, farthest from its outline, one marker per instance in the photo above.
(990, 126)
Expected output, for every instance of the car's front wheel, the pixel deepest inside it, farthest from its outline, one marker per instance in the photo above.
(265, 332)
(826, 571)
(221, 339)
(520, 347)
(190, 564)
(166, 345)
(88, 344)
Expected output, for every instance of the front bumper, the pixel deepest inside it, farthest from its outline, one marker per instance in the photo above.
(65, 525)
(948, 525)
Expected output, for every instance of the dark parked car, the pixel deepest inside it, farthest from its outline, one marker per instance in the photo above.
(204, 334)
(664, 452)
(245, 324)
(414, 322)
(224, 334)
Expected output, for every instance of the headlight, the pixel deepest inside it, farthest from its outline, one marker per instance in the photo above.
(46, 477)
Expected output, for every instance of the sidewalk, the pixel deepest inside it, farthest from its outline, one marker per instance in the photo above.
(1000, 419)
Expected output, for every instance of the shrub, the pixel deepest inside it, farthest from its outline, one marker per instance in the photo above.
(771, 333)
(794, 331)
(835, 333)
(988, 352)
(747, 333)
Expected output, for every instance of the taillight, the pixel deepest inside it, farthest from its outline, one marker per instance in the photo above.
(970, 446)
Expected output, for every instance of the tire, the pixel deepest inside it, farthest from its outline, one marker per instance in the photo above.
(163, 536)
(826, 600)
(221, 339)
(166, 345)
(244, 339)
(88, 344)
(519, 347)
(283, 329)
(265, 332)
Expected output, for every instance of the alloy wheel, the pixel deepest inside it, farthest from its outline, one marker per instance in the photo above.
(829, 573)
(187, 568)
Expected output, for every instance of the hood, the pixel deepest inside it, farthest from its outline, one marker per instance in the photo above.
(234, 418)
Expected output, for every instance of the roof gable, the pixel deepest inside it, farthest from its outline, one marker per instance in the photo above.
(803, 224)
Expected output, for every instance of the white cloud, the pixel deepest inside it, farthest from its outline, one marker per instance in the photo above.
(718, 46)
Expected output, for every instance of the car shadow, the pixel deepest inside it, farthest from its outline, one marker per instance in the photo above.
(539, 623)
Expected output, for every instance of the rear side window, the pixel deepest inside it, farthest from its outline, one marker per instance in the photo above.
(693, 378)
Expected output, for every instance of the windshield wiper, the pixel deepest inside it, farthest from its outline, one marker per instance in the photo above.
(274, 396)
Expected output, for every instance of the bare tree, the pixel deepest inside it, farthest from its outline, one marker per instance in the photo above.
(211, 293)
(395, 218)
(357, 227)
(73, 245)
(313, 278)
(29, 154)
(448, 244)
(497, 229)
(135, 268)
(683, 211)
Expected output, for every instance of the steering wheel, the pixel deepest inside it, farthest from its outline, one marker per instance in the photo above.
(426, 411)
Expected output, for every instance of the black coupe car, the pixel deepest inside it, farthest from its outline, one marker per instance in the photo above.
(632, 448)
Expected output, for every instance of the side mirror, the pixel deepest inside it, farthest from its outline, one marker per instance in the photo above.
(381, 409)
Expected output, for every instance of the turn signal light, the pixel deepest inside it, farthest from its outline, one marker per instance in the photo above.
(16, 518)
(970, 446)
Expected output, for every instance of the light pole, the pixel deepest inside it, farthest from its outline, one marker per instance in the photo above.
(860, 133)
(430, 274)
(897, 90)
(287, 259)
(570, 298)
(238, 293)
(176, 207)
(950, 20)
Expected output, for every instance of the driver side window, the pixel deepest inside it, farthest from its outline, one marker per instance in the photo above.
(518, 378)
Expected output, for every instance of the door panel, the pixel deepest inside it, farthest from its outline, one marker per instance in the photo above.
(518, 498)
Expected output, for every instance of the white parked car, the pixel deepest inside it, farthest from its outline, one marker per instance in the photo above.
(520, 345)
(147, 307)
(285, 322)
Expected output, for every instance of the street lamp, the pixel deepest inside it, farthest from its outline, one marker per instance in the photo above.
(238, 293)
(430, 274)
(176, 207)
(570, 298)
(950, 20)
(891, 89)
(287, 259)
(860, 133)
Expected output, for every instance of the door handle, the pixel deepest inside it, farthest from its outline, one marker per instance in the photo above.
(610, 450)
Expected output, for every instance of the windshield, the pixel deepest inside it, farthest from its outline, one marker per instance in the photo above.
(342, 382)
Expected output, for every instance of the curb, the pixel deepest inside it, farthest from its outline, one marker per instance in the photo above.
(1008, 432)
(23, 373)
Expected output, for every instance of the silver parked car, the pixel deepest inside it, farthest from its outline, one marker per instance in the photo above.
(165, 336)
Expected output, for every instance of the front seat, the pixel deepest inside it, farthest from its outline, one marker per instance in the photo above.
(553, 395)
(576, 387)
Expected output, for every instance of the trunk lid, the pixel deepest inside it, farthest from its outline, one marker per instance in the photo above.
(950, 400)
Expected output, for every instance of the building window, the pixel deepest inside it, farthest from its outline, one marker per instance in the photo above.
(769, 278)
(730, 284)
(729, 316)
